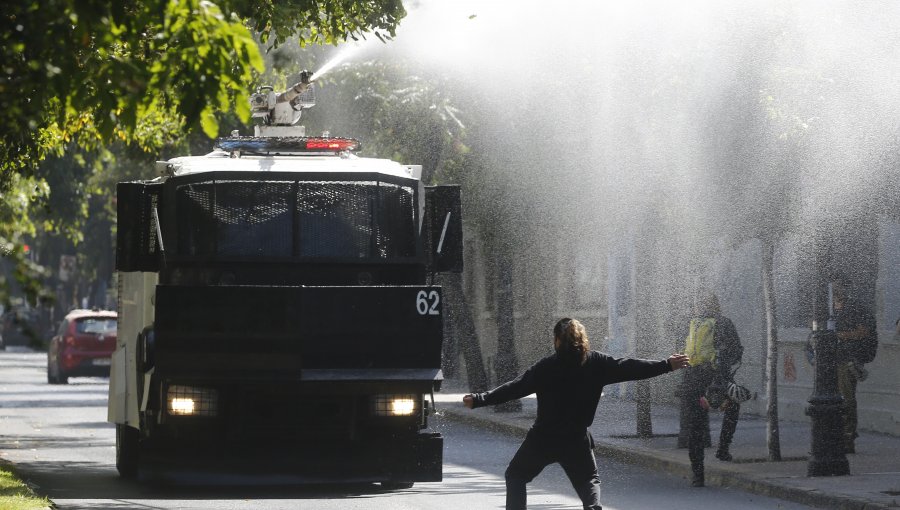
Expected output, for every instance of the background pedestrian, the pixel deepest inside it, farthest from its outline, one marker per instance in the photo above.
(713, 347)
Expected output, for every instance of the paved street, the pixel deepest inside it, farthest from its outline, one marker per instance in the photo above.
(59, 440)
(873, 483)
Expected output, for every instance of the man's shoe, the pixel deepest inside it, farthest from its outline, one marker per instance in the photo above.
(697, 481)
(724, 456)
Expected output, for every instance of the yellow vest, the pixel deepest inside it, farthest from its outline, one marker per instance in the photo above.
(700, 345)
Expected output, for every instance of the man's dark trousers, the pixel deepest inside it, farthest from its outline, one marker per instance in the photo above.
(573, 452)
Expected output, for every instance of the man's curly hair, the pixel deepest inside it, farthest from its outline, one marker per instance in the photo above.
(573, 341)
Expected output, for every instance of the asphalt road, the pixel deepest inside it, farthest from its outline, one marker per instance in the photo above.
(60, 441)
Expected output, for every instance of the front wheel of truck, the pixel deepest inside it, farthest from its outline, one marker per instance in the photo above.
(127, 450)
(395, 486)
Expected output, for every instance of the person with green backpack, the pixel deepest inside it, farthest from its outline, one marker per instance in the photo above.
(713, 348)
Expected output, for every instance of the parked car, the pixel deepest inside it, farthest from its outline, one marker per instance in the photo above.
(82, 346)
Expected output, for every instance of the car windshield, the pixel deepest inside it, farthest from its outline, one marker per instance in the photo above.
(99, 325)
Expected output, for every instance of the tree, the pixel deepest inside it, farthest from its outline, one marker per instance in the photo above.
(94, 72)
(78, 77)
(21, 193)
(773, 436)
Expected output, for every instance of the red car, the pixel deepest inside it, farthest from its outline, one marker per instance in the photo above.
(83, 345)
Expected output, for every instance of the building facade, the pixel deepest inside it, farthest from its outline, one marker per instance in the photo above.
(634, 295)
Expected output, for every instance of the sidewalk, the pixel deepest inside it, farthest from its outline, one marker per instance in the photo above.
(873, 483)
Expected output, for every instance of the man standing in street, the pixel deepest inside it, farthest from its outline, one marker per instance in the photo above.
(858, 339)
(713, 347)
(568, 386)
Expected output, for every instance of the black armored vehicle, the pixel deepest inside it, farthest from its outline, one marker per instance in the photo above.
(277, 316)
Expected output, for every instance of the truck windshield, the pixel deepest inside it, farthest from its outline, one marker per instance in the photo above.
(277, 219)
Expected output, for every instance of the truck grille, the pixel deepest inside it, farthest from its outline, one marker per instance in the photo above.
(299, 418)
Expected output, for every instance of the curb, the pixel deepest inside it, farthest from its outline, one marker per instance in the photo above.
(716, 476)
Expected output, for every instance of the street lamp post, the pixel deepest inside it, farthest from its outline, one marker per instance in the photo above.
(826, 406)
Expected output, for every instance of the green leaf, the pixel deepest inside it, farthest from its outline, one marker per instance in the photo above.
(242, 106)
(209, 123)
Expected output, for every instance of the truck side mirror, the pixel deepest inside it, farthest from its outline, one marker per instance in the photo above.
(443, 229)
(137, 240)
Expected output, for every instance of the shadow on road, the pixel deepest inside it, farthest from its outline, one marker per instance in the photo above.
(50, 442)
(88, 425)
(95, 481)
(45, 403)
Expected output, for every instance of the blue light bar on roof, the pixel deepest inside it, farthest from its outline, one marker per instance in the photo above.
(267, 144)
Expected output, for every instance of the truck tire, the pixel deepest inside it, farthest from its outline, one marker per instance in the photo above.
(395, 486)
(127, 449)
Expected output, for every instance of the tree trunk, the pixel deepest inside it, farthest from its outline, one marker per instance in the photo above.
(506, 362)
(465, 335)
(642, 409)
(450, 347)
(646, 317)
(772, 435)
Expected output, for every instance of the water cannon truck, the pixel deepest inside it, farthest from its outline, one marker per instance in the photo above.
(278, 318)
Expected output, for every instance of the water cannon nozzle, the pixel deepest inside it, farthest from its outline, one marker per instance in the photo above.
(283, 109)
(298, 88)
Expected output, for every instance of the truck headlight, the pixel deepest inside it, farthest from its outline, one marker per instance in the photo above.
(394, 405)
(192, 401)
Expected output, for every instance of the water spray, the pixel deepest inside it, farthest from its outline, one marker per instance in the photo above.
(342, 55)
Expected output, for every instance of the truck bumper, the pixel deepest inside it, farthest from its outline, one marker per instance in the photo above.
(417, 458)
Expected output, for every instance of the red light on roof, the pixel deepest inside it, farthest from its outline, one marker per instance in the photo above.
(332, 144)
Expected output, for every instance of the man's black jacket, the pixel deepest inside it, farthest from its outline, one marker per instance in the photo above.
(568, 394)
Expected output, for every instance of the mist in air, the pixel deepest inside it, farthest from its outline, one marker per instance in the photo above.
(687, 129)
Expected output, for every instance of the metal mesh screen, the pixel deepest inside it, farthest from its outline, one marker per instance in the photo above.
(192, 401)
(336, 219)
(395, 234)
(393, 405)
(137, 245)
(253, 218)
(364, 219)
(196, 234)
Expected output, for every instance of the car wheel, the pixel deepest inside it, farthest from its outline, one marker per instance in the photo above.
(51, 377)
(127, 449)
(61, 377)
(394, 486)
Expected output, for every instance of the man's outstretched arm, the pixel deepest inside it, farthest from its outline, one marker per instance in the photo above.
(631, 369)
(522, 386)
